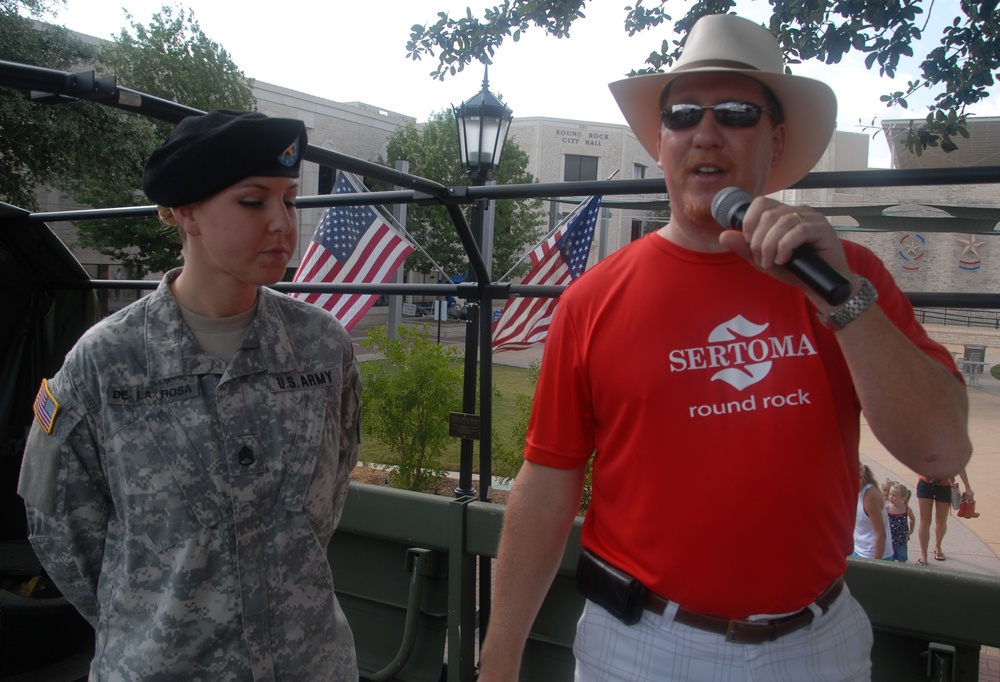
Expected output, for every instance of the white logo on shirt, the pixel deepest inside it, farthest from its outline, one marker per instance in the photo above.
(739, 352)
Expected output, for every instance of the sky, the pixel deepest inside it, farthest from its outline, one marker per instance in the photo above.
(351, 51)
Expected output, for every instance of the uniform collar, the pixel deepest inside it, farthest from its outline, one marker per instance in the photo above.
(172, 350)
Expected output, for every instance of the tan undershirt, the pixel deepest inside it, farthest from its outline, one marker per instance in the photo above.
(219, 336)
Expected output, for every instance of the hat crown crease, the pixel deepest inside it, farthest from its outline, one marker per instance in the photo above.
(722, 64)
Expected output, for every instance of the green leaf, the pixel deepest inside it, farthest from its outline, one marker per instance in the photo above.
(962, 65)
(433, 152)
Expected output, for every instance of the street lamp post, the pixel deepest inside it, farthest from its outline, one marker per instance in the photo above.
(483, 122)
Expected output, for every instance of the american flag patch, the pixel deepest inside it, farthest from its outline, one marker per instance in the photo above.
(46, 407)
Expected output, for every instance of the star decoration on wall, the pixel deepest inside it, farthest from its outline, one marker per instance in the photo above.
(911, 251)
(971, 245)
(965, 261)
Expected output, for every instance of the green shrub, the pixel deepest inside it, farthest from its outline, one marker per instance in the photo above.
(507, 462)
(407, 400)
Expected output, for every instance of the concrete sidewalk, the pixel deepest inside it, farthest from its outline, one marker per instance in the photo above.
(971, 545)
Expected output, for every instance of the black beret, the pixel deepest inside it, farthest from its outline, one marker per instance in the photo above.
(207, 153)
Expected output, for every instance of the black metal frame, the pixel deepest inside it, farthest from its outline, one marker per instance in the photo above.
(50, 86)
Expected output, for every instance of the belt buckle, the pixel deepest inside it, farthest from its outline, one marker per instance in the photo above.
(732, 634)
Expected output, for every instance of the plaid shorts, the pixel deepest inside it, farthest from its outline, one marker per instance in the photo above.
(835, 647)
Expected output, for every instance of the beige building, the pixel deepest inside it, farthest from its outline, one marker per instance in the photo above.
(352, 128)
(562, 150)
(565, 151)
(939, 238)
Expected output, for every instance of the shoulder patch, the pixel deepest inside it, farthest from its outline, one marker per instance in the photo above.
(46, 407)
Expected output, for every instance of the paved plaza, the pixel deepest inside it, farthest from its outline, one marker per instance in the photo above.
(970, 544)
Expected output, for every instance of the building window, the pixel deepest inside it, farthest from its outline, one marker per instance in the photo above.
(636, 230)
(580, 168)
(326, 177)
(638, 171)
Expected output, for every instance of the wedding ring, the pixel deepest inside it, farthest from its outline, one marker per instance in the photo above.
(798, 217)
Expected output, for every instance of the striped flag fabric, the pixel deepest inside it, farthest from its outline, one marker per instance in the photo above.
(351, 244)
(46, 407)
(558, 260)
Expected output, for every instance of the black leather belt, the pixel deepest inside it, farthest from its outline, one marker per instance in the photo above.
(748, 631)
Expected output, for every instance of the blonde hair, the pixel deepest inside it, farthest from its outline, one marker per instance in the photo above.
(169, 222)
(868, 475)
(902, 491)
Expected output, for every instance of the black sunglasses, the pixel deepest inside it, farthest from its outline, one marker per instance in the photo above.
(731, 114)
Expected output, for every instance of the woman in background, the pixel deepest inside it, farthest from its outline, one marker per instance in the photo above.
(871, 522)
(934, 496)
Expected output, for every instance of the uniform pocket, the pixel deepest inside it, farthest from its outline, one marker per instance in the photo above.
(168, 492)
(302, 451)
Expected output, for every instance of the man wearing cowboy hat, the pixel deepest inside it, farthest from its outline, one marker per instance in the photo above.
(692, 364)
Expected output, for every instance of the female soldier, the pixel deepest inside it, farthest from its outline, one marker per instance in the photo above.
(189, 462)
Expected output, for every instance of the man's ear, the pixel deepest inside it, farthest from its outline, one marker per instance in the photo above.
(777, 144)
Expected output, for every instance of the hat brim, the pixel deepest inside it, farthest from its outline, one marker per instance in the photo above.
(810, 115)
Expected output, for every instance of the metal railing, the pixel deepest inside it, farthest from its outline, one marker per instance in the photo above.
(959, 317)
(969, 605)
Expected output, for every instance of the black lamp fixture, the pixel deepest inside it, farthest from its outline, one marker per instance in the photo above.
(483, 122)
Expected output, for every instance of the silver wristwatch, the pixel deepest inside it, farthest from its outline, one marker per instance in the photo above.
(852, 308)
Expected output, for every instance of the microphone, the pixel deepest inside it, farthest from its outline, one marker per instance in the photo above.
(730, 206)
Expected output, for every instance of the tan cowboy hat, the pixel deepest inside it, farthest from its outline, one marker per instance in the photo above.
(731, 44)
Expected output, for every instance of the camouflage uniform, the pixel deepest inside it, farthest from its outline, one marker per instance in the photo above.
(184, 507)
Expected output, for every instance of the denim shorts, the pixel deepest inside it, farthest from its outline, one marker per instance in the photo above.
(940, 492)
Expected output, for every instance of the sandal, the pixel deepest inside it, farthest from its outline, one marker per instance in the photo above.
(938, 555)
(921, 562)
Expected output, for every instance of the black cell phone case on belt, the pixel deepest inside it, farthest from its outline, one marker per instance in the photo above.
(620, 594)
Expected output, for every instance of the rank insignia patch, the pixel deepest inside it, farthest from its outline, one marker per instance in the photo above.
(46, 407)
(290, 156)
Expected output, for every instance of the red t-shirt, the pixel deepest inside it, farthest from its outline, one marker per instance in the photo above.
(711, 395)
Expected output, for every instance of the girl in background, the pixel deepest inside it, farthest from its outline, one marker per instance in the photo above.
(886, 486)
(901, 520)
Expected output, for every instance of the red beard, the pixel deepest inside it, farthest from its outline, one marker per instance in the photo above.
(698, 210)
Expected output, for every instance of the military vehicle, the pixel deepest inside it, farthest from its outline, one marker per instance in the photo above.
(406, 565)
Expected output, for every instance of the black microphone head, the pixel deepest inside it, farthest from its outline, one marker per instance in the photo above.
(727, 203)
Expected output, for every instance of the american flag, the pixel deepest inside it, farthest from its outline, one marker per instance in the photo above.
(558, 260)
(46, 407)
(351, 244)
